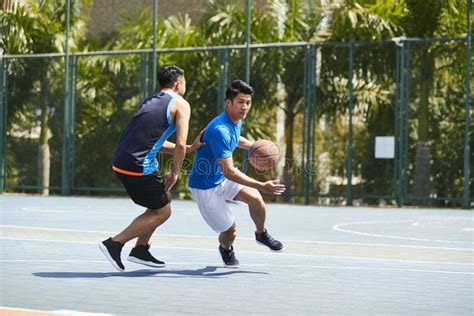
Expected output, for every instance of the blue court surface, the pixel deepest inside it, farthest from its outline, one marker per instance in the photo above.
(337, 261)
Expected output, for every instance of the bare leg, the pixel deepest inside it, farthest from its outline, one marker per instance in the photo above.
(257, 207)
(144, 225)
(226, 239)
(145, 237)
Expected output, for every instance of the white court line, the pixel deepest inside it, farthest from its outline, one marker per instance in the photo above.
(57, 229)
(49, 209)
(51, 260)
(52, 240)
(337, 227)
(241, 238)
(264, 265)
(251, 252)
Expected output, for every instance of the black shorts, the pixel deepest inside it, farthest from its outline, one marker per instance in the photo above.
(147, 191)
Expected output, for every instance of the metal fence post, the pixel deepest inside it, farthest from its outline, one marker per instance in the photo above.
(3, 119)
(396, 168)
(247, 75)
(399, 133)
(66, 155)
(150, 89)
(144, 76)
(467, 149)
(247, 40)
(155, 18)
(406, 94)
(349, 143)
(72, 127)
(312, 112)
(308, 121)
(304, 182)
(223, 78)
(403, 67)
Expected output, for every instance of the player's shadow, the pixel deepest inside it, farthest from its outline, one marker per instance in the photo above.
(207, 272)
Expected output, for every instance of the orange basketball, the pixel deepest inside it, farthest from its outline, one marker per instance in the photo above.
(264, 154)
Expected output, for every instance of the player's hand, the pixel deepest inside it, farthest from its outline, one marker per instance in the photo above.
(273, 187)
(198, 142)
(170, 180)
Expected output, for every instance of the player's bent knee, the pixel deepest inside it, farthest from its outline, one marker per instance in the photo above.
(165, 211)
(256, 199)
(232, 231)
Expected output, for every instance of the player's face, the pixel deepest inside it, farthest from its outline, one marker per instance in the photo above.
(240, 106)
(181, 85)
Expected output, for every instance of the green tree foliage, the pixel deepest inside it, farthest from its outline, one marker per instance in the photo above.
(109, 87)
(373, 90)
(36, 85)
(429, 73)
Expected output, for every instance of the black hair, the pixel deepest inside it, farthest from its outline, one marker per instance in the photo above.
(168, 75)
(236, 87)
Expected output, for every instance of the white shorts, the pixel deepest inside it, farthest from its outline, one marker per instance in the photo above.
(213, 207)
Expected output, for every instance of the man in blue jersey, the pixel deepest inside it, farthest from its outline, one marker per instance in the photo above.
(136, 166)
(214, 179)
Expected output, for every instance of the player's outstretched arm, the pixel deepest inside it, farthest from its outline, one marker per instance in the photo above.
(234, 174)
(244, 143)
(168, 147)
(196, 144)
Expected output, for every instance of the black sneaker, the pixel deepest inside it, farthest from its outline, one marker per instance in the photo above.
(111, 250)
(141, 254)
(267, 240)
(228, 256)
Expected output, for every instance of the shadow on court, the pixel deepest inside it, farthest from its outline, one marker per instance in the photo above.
(207, 272)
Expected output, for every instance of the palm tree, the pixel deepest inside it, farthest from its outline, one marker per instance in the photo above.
(373, 20)
(276, 74)
(438, 81)
(119, 78)
(373, 85)
(429, 13)
(294, 21)
(224, 24)
(38, 28)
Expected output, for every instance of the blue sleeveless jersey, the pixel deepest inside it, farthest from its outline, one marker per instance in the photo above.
(150, 127)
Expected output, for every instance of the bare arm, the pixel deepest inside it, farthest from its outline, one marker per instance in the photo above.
(234, 174)
(168, 147)
(244, 143)
(183, 113)
(182, 125)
